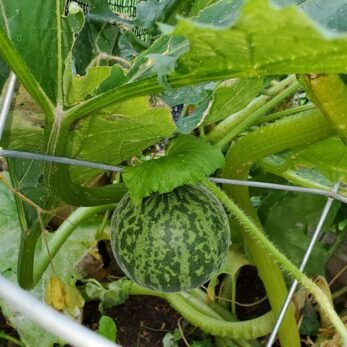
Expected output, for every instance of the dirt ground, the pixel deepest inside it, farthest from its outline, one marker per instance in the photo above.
(143, 321)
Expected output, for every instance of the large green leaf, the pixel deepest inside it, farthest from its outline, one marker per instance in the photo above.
(228, 98)
(43, 38)
(331, 14)
(188, 160)
(120, 132)
(117, 133)
(99, 36)
(232, 96)
(250, 47)
(160, 59)
(38, 48)
(328, 156)
(288, 218)
(320, 165)
(220, 14)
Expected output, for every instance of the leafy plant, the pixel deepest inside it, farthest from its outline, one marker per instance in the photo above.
(107, 328)
(92, 90)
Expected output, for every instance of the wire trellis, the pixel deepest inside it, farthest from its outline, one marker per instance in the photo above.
(71, 331)
(64, 327)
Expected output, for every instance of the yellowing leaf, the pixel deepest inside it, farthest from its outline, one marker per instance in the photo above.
(55, 293)
(63, 297)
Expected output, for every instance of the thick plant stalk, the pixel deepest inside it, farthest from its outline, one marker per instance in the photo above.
(284, 134)
(58, 176)
(202, 317)
(329, 93)
(257, 234)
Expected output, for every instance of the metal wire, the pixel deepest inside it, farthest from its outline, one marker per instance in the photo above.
(308, 252)
(298, 189)
(94, 165)
(6, 104)
(60, 160)
(49, 319)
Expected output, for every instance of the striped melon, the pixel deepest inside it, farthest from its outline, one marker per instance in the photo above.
(171, 242)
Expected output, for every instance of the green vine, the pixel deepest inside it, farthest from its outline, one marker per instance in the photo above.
(256, 234)
(206, 318)
(286, 133)
(213, 317)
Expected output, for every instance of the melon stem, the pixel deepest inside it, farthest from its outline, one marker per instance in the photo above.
(256, 234)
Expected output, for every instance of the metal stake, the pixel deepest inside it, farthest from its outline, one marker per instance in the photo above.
(6, 104)
(302, 266)
(50, 319)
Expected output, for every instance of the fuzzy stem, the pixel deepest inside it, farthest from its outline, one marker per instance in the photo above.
(281, 135)
(201, 306)
(224, 312)
(281, 259)
(247, 330)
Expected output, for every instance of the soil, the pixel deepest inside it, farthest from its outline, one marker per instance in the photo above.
(250, 294)
(141, 321)
(8, 330)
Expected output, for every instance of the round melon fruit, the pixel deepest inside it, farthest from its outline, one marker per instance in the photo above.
(173, 241)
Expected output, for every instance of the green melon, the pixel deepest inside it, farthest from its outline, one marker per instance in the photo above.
(171, 242)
